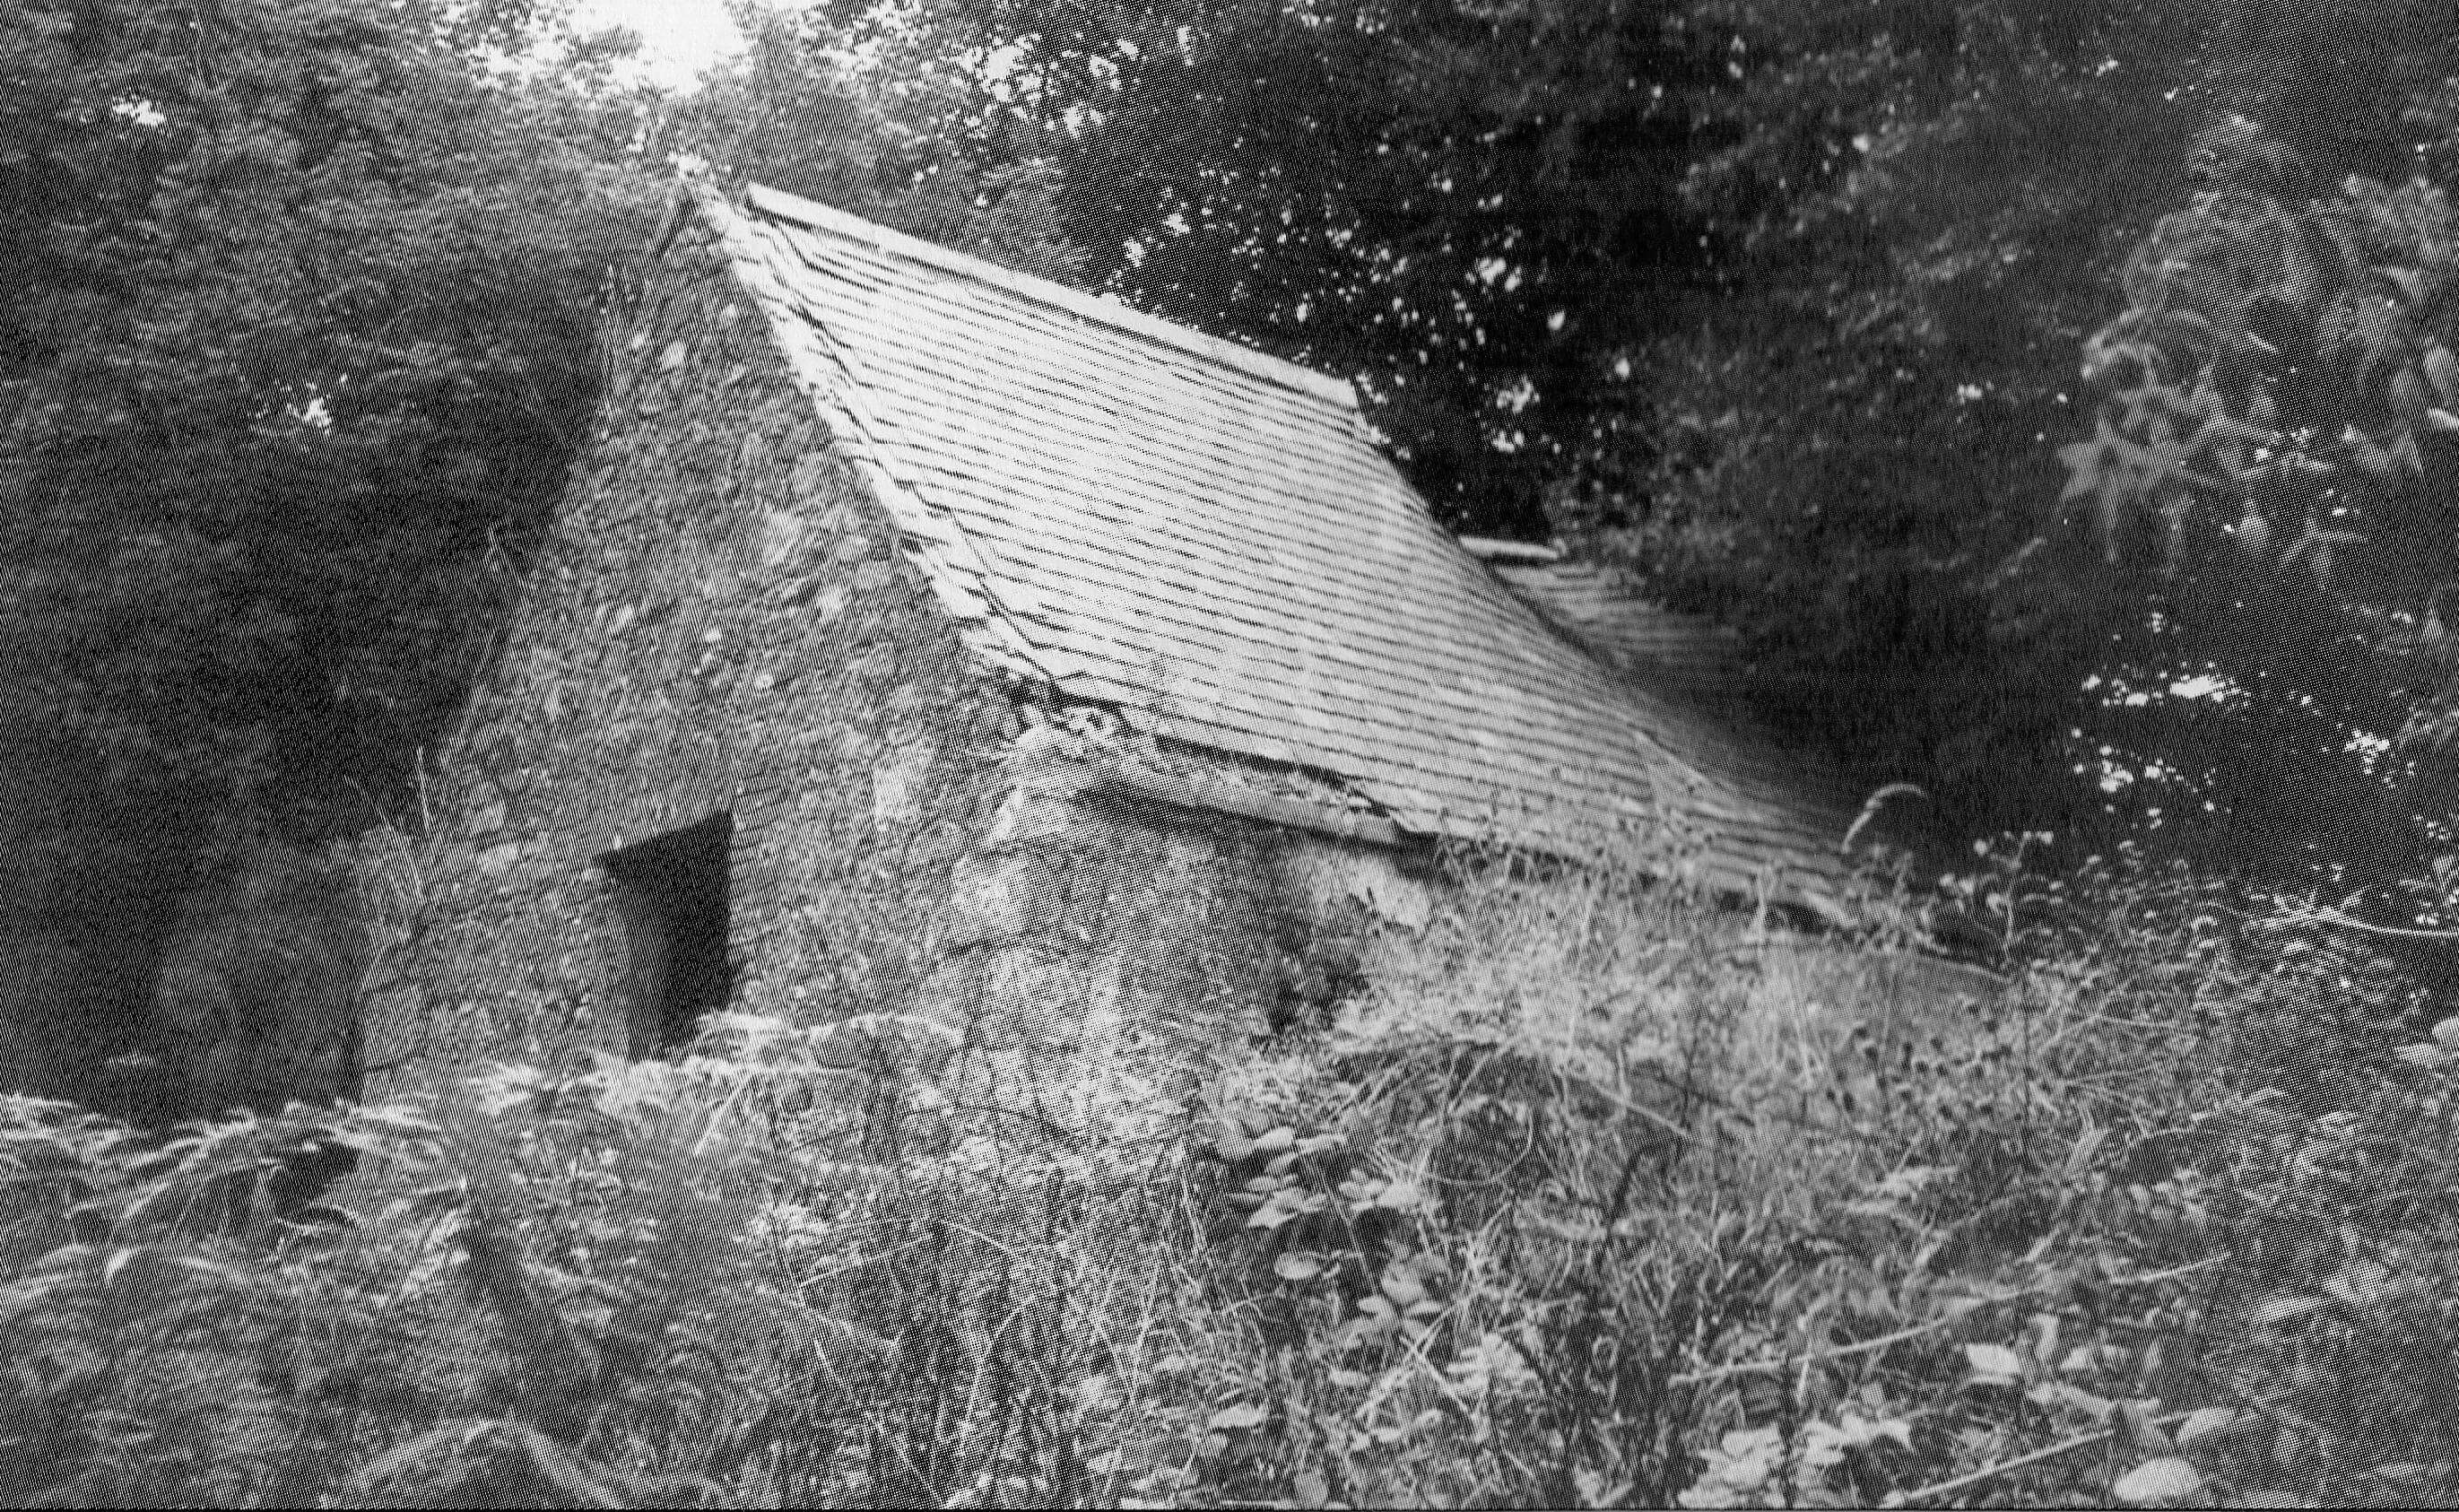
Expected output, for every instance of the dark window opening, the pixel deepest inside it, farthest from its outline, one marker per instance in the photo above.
(672, 892)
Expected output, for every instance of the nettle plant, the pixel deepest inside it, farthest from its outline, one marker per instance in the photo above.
(2280, 375)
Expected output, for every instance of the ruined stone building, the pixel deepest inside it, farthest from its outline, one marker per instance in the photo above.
(921, 635)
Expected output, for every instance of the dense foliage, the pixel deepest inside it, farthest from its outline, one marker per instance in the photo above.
(2270, 461)
(798, 113)
(1944, 205)
(1592, 1196)
(299, 339)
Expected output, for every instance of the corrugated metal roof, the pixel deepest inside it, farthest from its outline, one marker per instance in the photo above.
(1208, 539)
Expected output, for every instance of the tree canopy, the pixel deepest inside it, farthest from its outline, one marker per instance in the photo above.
(301, 331)
(2054, 396)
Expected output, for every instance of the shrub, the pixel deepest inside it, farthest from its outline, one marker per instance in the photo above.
(1591, 1194)
(1595, 1198)
(165, 1343)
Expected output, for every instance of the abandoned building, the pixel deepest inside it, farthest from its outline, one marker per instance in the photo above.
(920, 634)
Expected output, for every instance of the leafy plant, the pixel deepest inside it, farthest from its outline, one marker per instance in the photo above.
(2278, 368)
(2081, 1242)
(161, 1351)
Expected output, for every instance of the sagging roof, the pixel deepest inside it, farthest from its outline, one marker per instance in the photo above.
(1688, 657)
(1208, 539)
(1691, 663)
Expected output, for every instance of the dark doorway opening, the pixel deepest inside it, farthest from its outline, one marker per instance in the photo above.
(671, 891)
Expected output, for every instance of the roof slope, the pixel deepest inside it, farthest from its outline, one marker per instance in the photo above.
(1688, 658)
(1694, 666)
(1208, 539)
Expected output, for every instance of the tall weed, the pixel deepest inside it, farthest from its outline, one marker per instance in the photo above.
(1592, 1194)
(1598, 1197)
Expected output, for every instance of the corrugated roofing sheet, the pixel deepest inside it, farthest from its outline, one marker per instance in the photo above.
(1208, 539)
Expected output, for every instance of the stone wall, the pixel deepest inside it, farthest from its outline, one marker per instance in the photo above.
(722, 623)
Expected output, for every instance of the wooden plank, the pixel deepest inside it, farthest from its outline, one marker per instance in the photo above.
(1491, 549)
(1211, 795)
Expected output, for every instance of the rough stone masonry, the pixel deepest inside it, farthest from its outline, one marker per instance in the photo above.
(721, 625)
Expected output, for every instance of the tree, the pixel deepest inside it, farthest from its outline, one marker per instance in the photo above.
(2270, 456)
(880, 137)
(1909, 208)
(1471, 211)
(300, 342)
(1930, 203)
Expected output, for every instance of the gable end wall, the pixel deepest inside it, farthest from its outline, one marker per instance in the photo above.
(723, 621)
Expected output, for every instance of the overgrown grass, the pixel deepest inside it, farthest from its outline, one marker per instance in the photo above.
(1592, 1195)
(2160, 1216)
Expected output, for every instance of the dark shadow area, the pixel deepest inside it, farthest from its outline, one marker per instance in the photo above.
(87, 892)
(672, 892)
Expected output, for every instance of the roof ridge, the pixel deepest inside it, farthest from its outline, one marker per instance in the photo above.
(810, 213)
